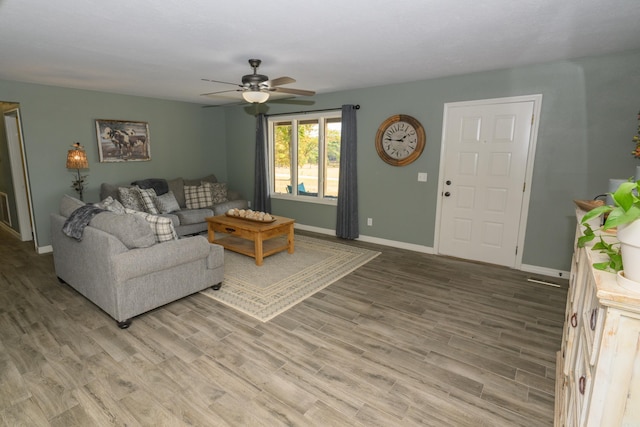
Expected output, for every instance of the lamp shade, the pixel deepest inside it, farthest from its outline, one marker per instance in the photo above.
(77, 158)
(255, 96)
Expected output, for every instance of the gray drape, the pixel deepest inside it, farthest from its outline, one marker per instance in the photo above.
(347, 220)
(261, 197)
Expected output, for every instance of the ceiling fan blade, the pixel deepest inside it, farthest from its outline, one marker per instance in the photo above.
(220, 81)
(294, 91)
(220, 92)
(281, 81)
(291, 101)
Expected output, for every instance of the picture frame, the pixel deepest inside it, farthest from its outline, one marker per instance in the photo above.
(123, 141)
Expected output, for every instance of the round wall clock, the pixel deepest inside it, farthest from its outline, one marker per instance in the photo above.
(400, 140)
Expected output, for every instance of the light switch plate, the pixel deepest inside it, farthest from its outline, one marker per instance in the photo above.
(422, 176)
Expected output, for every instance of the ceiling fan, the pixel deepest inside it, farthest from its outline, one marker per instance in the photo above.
(256, 88)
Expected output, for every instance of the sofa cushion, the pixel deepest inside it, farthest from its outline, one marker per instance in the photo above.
(148, 200)
(176, 186)
(162, 227)
(110, 204)
(130, 198)
(193, 216)
(218, 191)
(69, 204)
(196, 182)
(132, 230)
(167, 203)
(197, 197)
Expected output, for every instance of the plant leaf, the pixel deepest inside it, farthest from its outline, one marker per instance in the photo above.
(601, 265)
(596, 212)
(615, 262)
(618, 216)
(623, 196)
(583, 240)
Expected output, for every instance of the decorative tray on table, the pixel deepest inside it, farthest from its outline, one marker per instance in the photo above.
(250, 215)
(587, 205)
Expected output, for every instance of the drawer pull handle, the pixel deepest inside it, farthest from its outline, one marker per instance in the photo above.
(582, 382)
(574, 320)
(230, 230)
(594, 319)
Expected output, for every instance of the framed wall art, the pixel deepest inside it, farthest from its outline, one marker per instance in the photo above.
(123, 141)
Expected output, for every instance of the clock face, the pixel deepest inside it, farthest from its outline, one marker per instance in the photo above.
(400, 140)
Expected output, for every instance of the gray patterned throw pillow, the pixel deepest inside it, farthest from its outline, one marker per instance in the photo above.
(130, 198)
(218, 191)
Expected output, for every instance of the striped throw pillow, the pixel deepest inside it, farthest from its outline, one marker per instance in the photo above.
(148, 199)
(197, 197)
(162, 227)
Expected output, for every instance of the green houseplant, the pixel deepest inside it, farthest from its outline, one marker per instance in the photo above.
(623, 216)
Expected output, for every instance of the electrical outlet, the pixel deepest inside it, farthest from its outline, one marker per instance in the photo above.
(369, 222)
(422, 176)
(249, 203)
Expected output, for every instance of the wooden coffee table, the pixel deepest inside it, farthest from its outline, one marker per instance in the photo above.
(252, 238)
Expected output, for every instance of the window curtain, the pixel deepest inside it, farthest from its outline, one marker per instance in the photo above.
(261, 197)
(347, 220)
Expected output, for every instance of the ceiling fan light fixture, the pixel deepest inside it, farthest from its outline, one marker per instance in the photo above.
(255, 96)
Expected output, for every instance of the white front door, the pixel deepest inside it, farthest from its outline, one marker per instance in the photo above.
(483, 179)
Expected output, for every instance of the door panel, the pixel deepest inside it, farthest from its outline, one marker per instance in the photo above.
(485, 159)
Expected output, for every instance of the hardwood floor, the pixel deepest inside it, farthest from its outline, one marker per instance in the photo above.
(408, 339)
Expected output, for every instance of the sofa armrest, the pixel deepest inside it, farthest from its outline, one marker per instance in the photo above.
(162, 256)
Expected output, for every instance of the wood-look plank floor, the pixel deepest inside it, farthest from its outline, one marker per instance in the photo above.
(408, 339)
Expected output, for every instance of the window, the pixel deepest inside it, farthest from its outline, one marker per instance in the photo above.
(305, 155)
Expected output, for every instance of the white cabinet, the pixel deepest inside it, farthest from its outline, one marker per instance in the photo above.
(598, 366)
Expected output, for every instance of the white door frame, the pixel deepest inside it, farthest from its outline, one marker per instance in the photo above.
(20, 176)
(522, 226)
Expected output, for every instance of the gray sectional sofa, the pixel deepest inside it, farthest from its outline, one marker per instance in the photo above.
(119, 266)
(186, 221)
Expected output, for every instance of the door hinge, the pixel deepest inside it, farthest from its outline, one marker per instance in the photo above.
(532, 118)
(516, 250)
(524, 186)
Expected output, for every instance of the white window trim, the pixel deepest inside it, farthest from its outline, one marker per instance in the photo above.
(294, 119)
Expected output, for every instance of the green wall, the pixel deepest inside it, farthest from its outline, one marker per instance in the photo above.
(587, 120)
(186, 140)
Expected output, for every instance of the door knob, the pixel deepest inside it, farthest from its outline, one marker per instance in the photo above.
(447, 194)
(448, 182)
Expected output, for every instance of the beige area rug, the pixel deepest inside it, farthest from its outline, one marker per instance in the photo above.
(285, 279)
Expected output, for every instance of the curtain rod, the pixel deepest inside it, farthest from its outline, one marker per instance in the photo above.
(356, 107)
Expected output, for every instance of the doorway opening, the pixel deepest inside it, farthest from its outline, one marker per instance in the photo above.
(14, 173)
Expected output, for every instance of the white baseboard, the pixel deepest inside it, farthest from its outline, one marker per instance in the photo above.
(369, 239)
(429, 250)
(394, 244)
(545, 271)
(45, 249)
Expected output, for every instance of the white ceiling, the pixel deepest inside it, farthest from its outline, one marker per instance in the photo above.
(163, 48)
